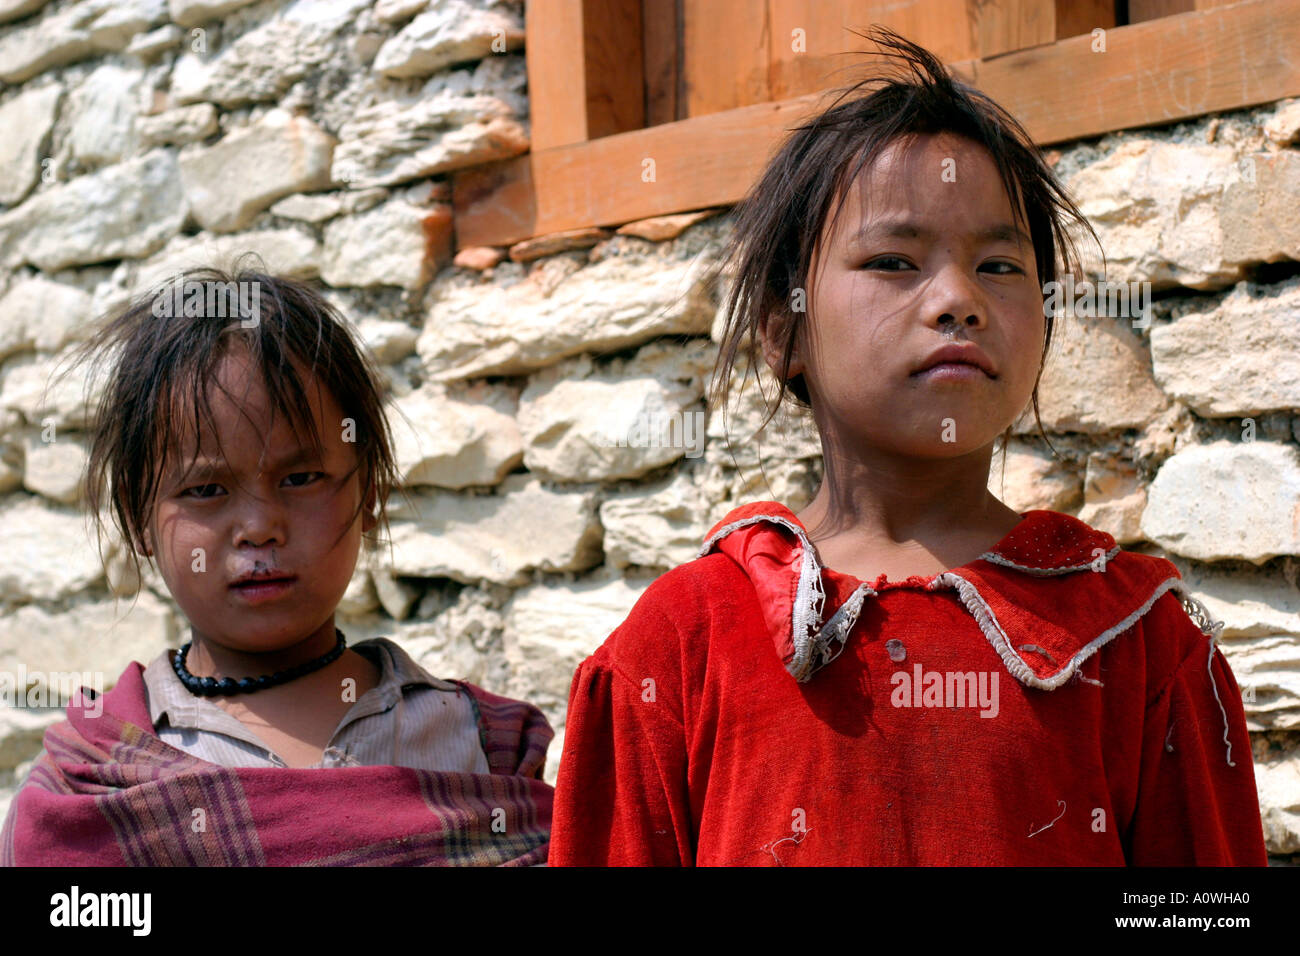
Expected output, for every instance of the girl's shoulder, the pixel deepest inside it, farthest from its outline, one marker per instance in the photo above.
(1070, 591)
(680, 609)
(693, 595)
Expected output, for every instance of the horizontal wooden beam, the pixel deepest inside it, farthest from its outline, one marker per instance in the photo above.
(1149, 74)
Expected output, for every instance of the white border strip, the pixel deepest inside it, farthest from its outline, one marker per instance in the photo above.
(992, 557)
(988, 623)
(812, 640)
(810, 598)
(997, 637)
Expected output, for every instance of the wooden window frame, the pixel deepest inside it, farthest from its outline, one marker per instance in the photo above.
(587, 166)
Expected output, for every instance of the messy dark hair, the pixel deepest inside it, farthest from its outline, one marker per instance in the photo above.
(161, 370)
(778, 225)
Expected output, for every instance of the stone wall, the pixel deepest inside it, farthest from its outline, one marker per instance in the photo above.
(527, 530)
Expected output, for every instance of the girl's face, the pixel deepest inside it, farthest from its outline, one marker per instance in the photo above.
(926, 253)
(292, 518)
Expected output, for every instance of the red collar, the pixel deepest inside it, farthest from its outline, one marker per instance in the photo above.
(1047, 596)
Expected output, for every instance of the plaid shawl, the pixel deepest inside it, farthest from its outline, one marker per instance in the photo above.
(108, 792)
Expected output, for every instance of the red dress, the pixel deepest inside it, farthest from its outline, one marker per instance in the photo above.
(1050, 703)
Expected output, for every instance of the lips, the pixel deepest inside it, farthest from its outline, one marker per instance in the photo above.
(968, 354)
(252, 580)
(256, 591)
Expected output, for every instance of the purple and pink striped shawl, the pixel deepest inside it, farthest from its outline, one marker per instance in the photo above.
(108, 792)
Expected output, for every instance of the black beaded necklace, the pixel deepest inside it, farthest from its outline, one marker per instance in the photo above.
(211, 687)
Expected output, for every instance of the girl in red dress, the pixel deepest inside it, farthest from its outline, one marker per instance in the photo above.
(907, 671)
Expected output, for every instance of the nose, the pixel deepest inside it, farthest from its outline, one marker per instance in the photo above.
(956, 302)
(260, 522)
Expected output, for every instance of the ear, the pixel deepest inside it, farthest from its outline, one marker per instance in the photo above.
(771, 332)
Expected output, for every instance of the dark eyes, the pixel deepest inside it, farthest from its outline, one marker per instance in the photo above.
(880, 262)
(188, 492)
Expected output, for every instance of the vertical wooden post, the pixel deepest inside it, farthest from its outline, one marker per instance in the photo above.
(1077, 17)
(661, 29)
(585, 72)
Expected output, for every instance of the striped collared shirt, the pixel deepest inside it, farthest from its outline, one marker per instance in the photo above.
(410, 719)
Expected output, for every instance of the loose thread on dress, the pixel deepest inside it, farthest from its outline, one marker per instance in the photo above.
(1209, 666)
(771, 847)
(1034, 648)
(1200, 615)
(1034, 833)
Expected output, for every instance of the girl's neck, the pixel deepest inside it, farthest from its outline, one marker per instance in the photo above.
(207, 658)
(889, 504)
